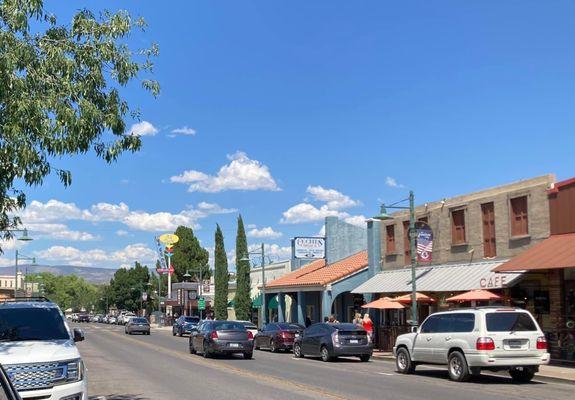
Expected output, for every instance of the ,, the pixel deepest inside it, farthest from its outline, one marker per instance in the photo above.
(471, 340)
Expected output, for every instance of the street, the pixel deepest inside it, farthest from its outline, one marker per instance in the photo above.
(158, 366)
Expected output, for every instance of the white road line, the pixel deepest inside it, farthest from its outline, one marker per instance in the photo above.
(386, 374)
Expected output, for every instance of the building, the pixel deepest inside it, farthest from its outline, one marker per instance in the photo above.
(548, 289)
(317, 289)
(7, 285)
(472, 235)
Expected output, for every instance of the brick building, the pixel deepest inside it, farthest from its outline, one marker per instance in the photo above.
(472, 235)
(496, 223)
(548, 287)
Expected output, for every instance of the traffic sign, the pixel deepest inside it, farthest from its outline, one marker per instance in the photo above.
(202, 304)
(169, 238)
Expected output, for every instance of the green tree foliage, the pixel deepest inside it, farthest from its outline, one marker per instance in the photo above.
(189, 255)
(221, 277)
(242, 300)
(127, 285)
(68, 291)
(60, 94)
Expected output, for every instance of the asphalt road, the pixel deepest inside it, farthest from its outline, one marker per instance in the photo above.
(158, 366)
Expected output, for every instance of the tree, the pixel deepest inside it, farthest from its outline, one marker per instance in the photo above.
(68, 291)
(127, 286)
(242, 300)
(221, 276)
(189, 255)
(60, 94)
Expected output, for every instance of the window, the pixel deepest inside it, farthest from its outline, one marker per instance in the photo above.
(458, 227)
(406, 243)
(461, 322)
(430, 325)
(38, 323)
(488, 217)
(390, 246)
(510, 321)
(519, 222)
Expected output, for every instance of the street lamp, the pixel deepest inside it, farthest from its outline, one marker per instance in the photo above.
(20, 257)
(246, 257)
(384, 216)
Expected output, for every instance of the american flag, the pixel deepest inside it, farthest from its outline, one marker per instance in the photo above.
(424, 245)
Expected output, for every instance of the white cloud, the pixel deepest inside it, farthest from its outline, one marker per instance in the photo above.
(358, 220)
(52, 210)
(251, 226)
(184, 130)
(152, 222)
(107, 212)
(121, 232)
(160, 221)
(143, 128)
(335, 200)
(266, 232)
(305, 212)
(98, 257)
(59, 232)
(391, 182)
(242, 173)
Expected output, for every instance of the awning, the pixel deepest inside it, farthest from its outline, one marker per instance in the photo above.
(257, 302)
(385, 303)
(475, 295)
(557, 251)
(419, 297)
(440, 278)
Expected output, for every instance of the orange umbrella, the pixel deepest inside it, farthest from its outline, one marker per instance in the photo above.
(419, 297)
(384, 303)
(476, 295)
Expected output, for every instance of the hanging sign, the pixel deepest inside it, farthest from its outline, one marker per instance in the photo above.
(169, 238)
(309, 247)
(424, 242)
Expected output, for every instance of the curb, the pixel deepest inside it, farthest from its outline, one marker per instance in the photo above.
(537, 378)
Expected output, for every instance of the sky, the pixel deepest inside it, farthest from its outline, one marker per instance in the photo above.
(291, 111)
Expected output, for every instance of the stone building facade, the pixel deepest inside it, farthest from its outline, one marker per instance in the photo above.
(495, 223)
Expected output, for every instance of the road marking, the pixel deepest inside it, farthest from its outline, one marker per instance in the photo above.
(290, 385)
(386, 374)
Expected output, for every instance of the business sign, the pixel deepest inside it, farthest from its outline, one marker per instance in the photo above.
(424, 242)
(309, 247)
(202, 304)
(169, 238)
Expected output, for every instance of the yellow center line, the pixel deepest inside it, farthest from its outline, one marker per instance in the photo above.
(291, 385)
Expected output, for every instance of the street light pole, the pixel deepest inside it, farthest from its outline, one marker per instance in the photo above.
(263, 287)
(413, 254)
(412, 234)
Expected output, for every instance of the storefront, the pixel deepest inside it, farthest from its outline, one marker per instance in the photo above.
(436, 284)
(548, 291)
(318, 290)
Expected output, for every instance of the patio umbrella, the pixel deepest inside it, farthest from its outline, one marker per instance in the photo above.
(476, 295)
(419, 297)
(384, 303)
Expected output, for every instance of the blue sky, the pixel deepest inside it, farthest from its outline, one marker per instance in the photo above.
(317, 108)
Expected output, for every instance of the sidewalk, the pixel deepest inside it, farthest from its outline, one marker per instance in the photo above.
(551, 372)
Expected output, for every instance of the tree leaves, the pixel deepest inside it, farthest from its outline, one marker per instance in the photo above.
(242, 301)
(59, 93)
(221, 276)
